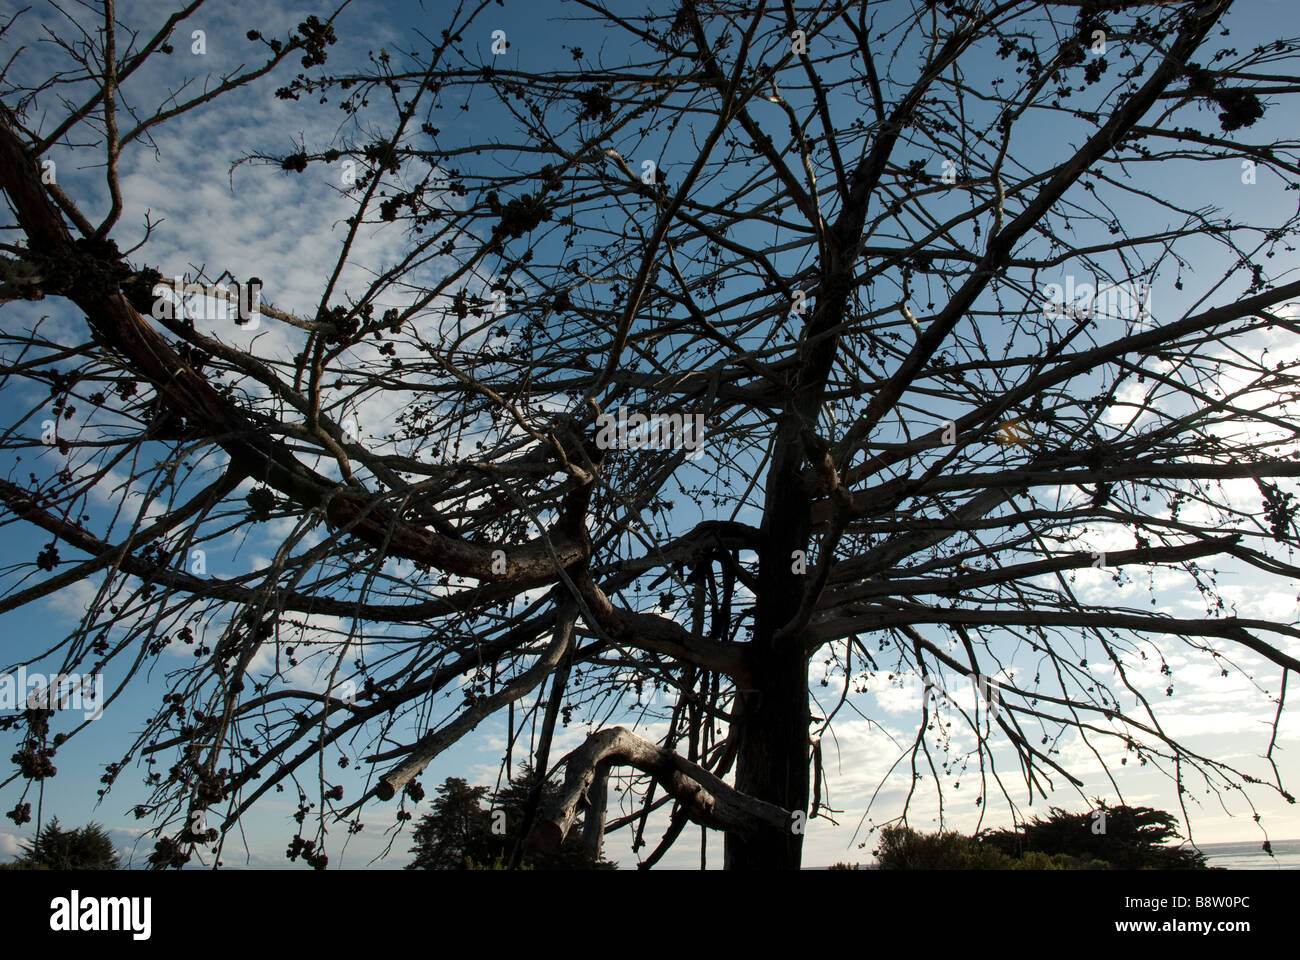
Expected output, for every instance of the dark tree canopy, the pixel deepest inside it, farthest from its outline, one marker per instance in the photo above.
(82, 848)
(1128, 838)
(1105, 838)
(457, 831)
(935, 344)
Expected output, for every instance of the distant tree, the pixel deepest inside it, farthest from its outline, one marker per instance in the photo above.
(1117, 838)
(457, 830)
(460, 834)
(1129, 838)
(87, 848)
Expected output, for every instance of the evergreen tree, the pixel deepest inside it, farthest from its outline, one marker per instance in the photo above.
(460, 832)
(1129, 838)
(458, 829)
(87, 848)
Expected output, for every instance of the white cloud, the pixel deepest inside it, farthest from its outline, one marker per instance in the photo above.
(10, 846)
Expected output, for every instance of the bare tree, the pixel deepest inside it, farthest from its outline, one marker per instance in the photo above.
(752, 335)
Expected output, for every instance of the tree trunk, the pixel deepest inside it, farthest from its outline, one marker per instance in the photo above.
(772, 721)
(772, 761)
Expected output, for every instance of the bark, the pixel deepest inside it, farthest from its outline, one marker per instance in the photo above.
(772, 762)
(439, 740)
(705, 799)
(772, 715)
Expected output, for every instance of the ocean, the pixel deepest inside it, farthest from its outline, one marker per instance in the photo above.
(1249, 855)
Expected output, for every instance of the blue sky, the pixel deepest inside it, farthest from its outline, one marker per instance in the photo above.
(258, 221)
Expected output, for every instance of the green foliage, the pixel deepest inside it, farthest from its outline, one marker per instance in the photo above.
(498, 864)
(88, 848)
(458, 833)
(1133, 839)
(902, 848)
(1037, 860)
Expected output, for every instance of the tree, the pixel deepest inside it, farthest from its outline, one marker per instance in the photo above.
(459, 830)
(1118, 838)
(53, 848)
(1128, 838)
(744, 347)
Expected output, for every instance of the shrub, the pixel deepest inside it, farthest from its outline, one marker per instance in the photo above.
(902, 848)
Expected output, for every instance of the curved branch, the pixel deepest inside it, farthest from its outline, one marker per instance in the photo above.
(436, 741)
(117, 321)
(705, 799)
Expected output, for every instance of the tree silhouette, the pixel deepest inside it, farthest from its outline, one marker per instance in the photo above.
(729, 353)
(459, 829)
(1128, 838)
(53, 848)
(1116, 838)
